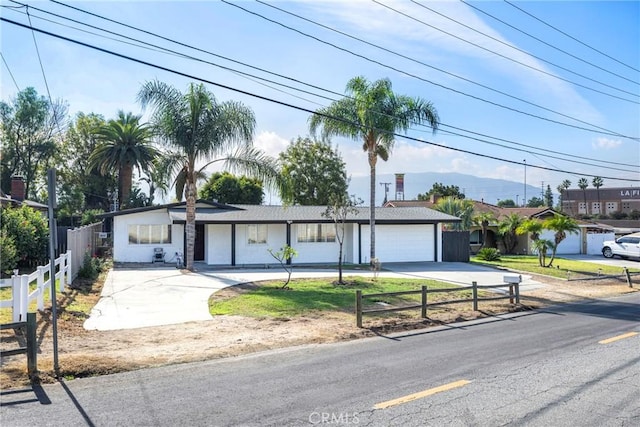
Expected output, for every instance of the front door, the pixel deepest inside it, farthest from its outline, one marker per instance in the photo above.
(198, 250)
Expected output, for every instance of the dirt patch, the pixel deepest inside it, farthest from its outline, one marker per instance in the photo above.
(89, 353)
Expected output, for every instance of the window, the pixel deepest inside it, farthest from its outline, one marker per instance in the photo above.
(145, 234)
(316, 233)
(612, 207)
(475, 238)
(256, 234)
(582, 208)
(595, 208)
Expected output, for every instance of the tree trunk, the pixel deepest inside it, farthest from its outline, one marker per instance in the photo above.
(126, 176)
(190, 226)
(372, 203)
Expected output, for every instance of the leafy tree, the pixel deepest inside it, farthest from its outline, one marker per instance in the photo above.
(561, 189)
(125, 144)
(461, 208)
(507, 229)
(29, 128)
(561, 225)
(315, 172)
(338, 210)
(506, 203)
(442, 191)
(200, 129)
(372, 113)
(8, 253)
(583, 184)
(30, 233)
(533, 227)
(597, 182)
(157, 177)
(226, 188)
(535, 202)
(483, 220)
(548, 197)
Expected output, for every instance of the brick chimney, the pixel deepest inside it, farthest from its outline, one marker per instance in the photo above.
(17, 188)
(434, 198)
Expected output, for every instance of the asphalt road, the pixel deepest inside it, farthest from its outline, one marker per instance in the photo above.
(543, 368)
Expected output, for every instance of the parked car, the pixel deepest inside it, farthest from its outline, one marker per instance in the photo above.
(624, 247)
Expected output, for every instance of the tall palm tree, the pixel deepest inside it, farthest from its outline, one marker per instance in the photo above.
(198, 129)
(125, 144)
(461, 208)
(597, 182)
(372, 113)
(561, 189)
(507, 229)
(583, 184)
(561, 225)
(483, 219)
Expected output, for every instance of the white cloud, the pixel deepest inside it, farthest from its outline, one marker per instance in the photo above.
(271, 143)
(606, 143)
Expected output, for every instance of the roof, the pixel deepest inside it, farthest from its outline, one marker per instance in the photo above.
(7, 200)
(211, 213)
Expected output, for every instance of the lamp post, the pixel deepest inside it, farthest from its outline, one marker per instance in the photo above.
(524, 200)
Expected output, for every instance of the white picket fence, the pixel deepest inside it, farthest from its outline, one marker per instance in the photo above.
(20, 295)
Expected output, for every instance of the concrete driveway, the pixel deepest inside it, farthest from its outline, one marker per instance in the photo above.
(141, 296)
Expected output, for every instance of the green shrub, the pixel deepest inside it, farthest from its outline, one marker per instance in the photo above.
(489, 254)
(8, 253)
(91, 267)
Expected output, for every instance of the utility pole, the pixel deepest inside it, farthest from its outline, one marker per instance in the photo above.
(524, 199)
(386, 190)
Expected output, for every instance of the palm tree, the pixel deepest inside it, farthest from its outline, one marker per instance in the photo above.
(542, 246)
(583, 184)
(461, 208)
(561, 225)
(561, 189)
(597, 183)
(372, 113)
(507, 229)
(125, 144)
(200, 129)
(483, 219)
(533, 227)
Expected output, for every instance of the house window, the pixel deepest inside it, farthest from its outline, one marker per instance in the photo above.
(316, 233)
(475, 238)
(612, 207)
(582, 208)
(147, 234)
(257, 234)
(595, 208)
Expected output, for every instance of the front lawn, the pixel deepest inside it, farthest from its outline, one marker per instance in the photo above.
(529, 263)
(308, 295)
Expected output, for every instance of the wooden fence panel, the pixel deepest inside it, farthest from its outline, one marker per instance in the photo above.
(455, 246)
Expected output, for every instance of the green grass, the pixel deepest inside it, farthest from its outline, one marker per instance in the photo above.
(307, 295)
(6, 294)
(529, 263)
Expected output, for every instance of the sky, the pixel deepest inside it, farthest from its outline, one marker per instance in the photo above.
(549, 84)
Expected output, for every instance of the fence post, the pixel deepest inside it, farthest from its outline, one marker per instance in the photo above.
(424, 301)
(626, 273)
(69, 269)
(40, 285)
(359, 308)
(511, 294)
(15, 297)
(24, 297)
(475, 295)
(517, 293)
(32, 346)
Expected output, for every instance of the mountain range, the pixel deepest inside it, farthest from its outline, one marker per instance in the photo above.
(488, 189)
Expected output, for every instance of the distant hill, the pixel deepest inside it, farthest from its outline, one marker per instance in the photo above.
(487, 189)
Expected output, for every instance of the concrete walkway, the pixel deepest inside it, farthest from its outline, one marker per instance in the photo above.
(161, 295)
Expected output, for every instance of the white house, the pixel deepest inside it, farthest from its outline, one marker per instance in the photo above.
(237, 235)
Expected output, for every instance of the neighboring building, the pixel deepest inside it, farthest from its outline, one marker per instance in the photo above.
(234, 235)
(16, 198)
(603, 201)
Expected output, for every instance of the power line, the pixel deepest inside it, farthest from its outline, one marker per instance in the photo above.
(604, 131)
(282, 103)
(159, 48)
(9, 70)
(515, 60)
(570, 36)
(537, 57)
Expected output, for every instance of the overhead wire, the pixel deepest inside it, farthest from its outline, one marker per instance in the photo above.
(282, 103)
(10, 73)
(603, 130)
(159, 48)
(570, 36)
(537, 57)
(413, 18)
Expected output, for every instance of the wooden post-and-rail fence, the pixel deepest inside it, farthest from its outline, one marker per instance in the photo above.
(31, 350)
(513, 296)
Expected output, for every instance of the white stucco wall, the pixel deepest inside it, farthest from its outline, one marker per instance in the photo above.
(218, 244)
(313, 252)
(123, 251)
(400, 243)
(569, 246)
(247, 254)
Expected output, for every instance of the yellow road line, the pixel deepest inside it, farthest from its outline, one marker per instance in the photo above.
(619, 337)
(420, 395)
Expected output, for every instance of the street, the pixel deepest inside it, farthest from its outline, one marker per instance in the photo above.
(576, 364)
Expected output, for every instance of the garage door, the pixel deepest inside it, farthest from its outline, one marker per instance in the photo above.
(569, 246)
(404, 243)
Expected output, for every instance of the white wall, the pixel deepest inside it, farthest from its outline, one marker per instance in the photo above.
(313, 252)
(218, 244)
(125, 252)
(569, 246)
(258, 253)
(595, 240)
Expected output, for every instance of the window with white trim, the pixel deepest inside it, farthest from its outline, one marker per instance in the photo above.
(582, 208)
(316, 233)
(595, 208)
(149, 234)
(257, 234)
(475, 237)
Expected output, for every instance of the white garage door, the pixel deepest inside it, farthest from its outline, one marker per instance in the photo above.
(404, 243)
(569, 246)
